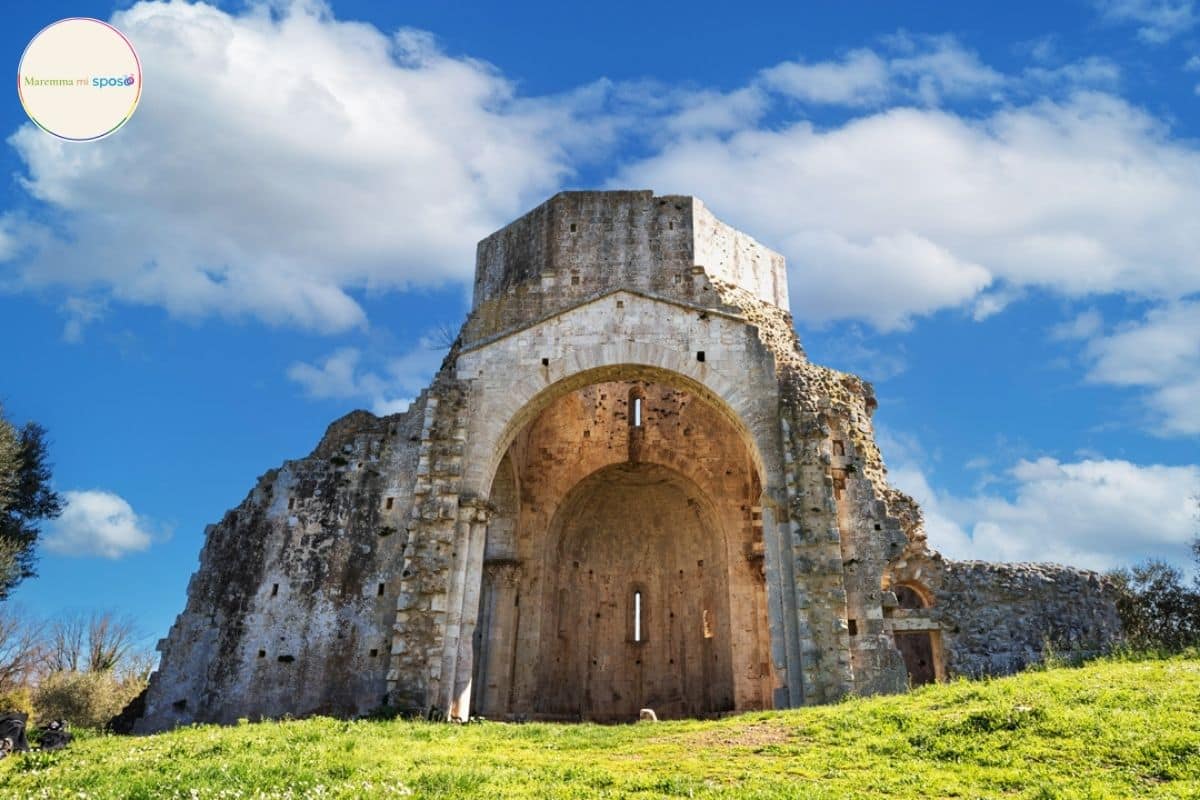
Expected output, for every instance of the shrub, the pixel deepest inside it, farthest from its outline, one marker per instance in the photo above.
(83, 699)
(16, 700)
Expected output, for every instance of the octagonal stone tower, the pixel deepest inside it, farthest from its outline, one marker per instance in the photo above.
(626, 487)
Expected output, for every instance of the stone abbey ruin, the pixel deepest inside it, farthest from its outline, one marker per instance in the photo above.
(626, 487)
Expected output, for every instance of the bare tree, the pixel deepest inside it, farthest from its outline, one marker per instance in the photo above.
(110, 641)
(98, 642)
(20, 651)
(138, 665)
(65, 644)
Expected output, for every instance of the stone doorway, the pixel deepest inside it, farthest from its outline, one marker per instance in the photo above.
(917, 650)
(639, 612)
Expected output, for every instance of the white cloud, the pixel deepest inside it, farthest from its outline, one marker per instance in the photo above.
(1094, 71)
(98, 523)
(280, 159)
(213, 200)
(1093, 513)
(1160, 353)
(926, 69)
(706, 111)
(939, 67)
(8, 239)
(914, 274)
(994, 300)
(1083, 326)
(80, 312)
(389, 389)
(859, 78)
(1158, 20)
(332, 377)
(905, 211)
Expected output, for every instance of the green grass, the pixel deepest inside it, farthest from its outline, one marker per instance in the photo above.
(1128, 729)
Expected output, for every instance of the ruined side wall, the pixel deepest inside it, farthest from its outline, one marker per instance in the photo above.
(999, 618)
(291, 610)
(844, 522)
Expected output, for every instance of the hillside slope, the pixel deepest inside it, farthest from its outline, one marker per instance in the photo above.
(1109, 729)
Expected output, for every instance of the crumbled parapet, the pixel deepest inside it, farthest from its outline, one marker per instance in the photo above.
(847, 522)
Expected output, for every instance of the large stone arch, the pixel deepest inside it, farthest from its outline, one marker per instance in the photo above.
(497, 416)
(511, 382)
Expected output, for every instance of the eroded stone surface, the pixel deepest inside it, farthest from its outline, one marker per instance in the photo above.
(626, 488)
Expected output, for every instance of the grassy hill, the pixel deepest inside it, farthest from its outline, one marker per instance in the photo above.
(1108, 729)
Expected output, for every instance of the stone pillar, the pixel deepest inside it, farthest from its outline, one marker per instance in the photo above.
(498, 617)
(462, 609)
(782, 612)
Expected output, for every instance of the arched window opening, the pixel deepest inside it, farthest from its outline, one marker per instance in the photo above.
(910, 597)
(637, 616)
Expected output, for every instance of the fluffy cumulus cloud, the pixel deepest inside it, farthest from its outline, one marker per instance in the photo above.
(1097, 513)
(926, 69)
(1157, 20)
(388, 388)
(942, 184)
(907, 210)
(280, 158)
(98, 523)
(1161, 355)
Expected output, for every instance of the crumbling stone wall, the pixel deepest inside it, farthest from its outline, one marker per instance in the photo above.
(291, 610)
(845, 522)
(996, 619)
(360, 574)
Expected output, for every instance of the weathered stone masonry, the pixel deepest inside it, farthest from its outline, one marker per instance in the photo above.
(626, 487)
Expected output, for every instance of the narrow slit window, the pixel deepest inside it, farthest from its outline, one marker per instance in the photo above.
(637, 616)
(637, 412)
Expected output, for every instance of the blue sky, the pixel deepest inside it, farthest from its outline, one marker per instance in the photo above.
(989, 211)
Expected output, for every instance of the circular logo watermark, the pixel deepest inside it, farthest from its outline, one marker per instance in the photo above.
(79, 79)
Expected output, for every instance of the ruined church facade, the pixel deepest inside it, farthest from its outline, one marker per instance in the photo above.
(626, 487)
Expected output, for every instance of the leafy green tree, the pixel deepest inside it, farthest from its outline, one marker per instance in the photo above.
(1158, 610)
(26, 499)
